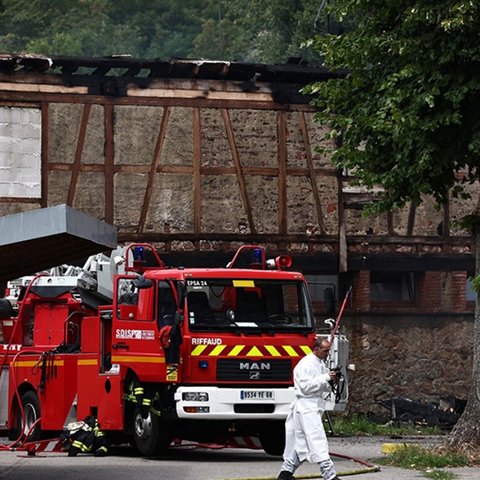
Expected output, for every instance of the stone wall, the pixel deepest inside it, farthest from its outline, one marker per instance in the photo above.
(426, 358)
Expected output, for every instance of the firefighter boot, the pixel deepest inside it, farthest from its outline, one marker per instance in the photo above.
(73, 451)
(101, 452)
(285, 475)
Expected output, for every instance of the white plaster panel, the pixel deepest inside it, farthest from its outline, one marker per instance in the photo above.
(20, 152)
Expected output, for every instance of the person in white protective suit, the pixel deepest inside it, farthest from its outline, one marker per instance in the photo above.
(305, 436)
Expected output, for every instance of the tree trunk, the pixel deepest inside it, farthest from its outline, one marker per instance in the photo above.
(466, 433)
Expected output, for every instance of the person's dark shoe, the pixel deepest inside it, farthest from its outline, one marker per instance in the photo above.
(285, 475)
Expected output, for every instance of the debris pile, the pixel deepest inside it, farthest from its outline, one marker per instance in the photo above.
(405, 410)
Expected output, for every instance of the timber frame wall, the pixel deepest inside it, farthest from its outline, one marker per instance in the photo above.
(233, 145)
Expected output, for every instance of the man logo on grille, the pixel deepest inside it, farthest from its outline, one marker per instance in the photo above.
(255, 366)
(254, 376)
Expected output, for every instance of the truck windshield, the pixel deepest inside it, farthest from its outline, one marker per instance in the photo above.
(239, 305)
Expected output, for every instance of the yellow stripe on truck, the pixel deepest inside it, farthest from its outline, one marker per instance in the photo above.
(290, 350)
(243, 283)
(33, 363)
(250, 350)
(198, 350)
(255, 352)
(137, 359)
(272, 350)
(217, 350)
(235, 350)
(87, 361)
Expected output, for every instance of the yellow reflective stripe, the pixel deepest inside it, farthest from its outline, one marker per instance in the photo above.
(254, 352)
(198, 350)
(235, 350)
(32, 363)
(137, 358)
(81, 446)
(217, 350)
(251, 351)
(290, 350)
(273, 351)
(87, 361)
(243, 283)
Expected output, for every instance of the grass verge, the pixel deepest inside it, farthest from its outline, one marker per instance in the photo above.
(429, 461)
(361, 425)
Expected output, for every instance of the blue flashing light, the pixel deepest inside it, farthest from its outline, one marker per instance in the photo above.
(138, 254)
(203, 364)
(257, 255)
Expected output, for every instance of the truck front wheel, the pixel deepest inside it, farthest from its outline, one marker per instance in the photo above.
(31, 410)
(150, 434)
(272, 438)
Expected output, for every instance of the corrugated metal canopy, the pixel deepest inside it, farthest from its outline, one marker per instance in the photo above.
(44, 238)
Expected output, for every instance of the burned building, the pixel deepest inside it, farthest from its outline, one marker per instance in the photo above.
(198, 157)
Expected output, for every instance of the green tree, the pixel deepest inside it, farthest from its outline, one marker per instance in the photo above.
(406, 115)
(141, 28)
(267, 31)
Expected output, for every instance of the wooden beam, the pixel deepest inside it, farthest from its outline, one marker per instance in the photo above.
(24, 104)
(196, 93)
(153, 168)
(33, 96)
(161, 236)
(390, 228)
(238, 169)
(44, 156)
(446, 219)
(109, 163)
(282, 172)
(21, 200)
(184, 169)
(414, 241)
(197, 161)
(391, 243)
(78, 154)
(311, 171)
(41, 88)
(411, 219)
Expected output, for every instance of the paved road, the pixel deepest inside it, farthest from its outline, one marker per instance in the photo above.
(203, 464)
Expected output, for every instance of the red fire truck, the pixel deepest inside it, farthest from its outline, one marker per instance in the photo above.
(211, 350)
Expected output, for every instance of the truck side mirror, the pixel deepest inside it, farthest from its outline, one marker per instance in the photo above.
(181, 294)
(329, 299)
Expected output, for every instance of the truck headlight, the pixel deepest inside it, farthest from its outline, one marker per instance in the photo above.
(195, 396)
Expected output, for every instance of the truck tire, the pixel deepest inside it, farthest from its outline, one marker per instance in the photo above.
(31, 409)
(150, 435)
(272, 438)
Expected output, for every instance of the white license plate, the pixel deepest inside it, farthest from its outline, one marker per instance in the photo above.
(246, 395)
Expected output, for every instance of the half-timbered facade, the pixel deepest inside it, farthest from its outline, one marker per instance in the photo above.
(198, 157)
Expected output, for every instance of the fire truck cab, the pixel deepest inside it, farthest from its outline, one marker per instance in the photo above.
(158, 353)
